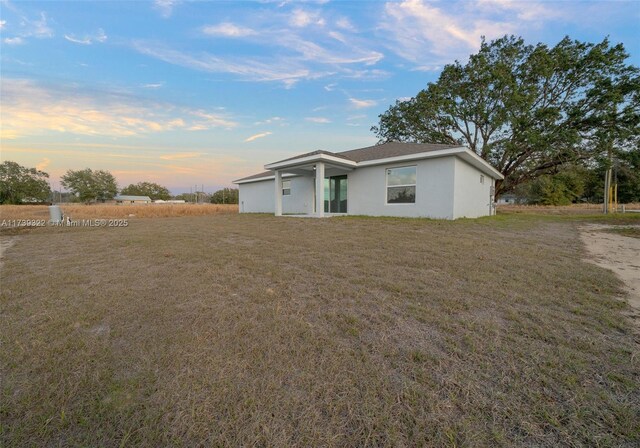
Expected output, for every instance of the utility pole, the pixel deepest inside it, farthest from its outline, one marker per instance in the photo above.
(608, 180)
(607, 185)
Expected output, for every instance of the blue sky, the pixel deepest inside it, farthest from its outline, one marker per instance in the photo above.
(184, 93)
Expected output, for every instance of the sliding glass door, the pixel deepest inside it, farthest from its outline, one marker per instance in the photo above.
(335, 194)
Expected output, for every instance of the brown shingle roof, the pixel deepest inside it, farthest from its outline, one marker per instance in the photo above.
(256, 176)
(382, 151)
(391, 149)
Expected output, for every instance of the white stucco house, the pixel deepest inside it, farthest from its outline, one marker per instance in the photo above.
(391, 179)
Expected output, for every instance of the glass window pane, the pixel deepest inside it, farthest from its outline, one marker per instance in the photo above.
(401, 195)
(405, 175)
(286, 187)
(326, 194)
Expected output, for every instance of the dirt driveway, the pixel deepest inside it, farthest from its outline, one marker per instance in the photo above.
(616, 252)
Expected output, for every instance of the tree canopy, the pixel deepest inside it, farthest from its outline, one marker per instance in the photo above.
(528, 110)
(90, 185)
(153, 190)
(19, 184)
(225, 196)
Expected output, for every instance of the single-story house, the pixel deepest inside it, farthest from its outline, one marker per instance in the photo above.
(127, 199)
(390, 179)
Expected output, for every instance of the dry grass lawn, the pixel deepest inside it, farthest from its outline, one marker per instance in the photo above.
(241, 330)
(573, 209)
(83, 211)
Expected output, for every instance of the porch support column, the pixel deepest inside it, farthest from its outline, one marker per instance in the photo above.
(320, 189)
(278, 193)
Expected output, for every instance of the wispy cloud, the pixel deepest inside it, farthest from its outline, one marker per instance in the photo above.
(415, 25)
(13, 40)
(362, 104)
(156, 85)
(76, 40)
(272, 120)
(28, 27)
(313, 52)
(206, 120)
(345, 24)
(430, 33)
(282, 69)
(33, 109)
(299, 41)
(38, 28)
(228, 29)
(338, 36)
(181, 155)
(257, 136)
(301, 18)
(43, 164)
(530, 11)
(165, 7)
(87, 39)
(318, 120)
(427, 68)
(366, 74)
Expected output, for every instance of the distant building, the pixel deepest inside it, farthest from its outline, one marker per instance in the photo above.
(510, 198)
(125, 200)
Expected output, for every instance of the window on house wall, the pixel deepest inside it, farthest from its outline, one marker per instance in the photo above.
(482, 178)
(401, 185)
(286, 187)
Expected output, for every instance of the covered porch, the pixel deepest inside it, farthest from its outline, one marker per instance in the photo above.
(330, 174)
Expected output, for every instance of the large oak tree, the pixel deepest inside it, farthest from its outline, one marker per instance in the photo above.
(528, 110)
(90, 185)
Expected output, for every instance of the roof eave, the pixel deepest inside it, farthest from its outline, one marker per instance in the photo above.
(260, 179)
(461, 151)
(311, 159)
(481, 164)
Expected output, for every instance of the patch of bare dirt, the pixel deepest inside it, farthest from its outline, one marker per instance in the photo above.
(616, 252)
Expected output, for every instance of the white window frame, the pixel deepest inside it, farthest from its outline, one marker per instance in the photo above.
(387, 186)
(286, 187)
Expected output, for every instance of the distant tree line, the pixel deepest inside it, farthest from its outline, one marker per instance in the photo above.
(21, 185)
(153, 190)
(585, 182)
(225, 196)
